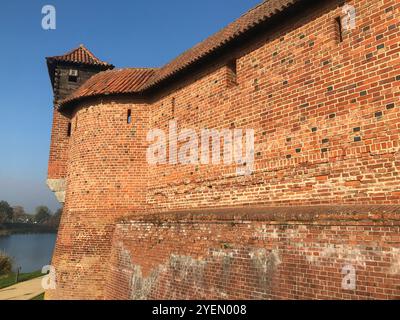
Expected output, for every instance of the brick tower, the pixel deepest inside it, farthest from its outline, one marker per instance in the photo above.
(67, 73)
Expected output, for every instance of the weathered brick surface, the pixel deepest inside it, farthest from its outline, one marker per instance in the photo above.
(106, 178)
(283, 92)
(58, 158)
(326, 120)
(62, 88)
(229, 255)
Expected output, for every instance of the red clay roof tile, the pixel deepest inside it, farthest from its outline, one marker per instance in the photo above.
(80, 55)
(251, 18)
(113, 81)
(137, 80)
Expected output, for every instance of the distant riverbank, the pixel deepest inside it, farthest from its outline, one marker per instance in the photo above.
(7, 229)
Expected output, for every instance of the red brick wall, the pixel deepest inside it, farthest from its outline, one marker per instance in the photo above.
(303, 93)
(299, 81)
(106, 179)
(232, 254)
(58, 159)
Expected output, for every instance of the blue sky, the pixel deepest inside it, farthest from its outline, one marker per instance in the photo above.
(146, 33)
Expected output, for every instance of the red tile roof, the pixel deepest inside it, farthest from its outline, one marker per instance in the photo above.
(138, 80)
(80, 55)
(250, 19)
(113, 81)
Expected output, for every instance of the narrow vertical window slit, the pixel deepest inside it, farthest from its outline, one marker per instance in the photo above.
(339, 29)
(129, 116)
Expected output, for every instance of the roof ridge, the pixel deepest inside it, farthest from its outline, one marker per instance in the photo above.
(89, 52)
(115, 70)
(252, 9)
(112, 81)
(246, 21)
(240, 26)
(80, 54)
(137, 68)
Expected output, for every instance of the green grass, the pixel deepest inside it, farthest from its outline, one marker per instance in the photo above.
(9, 279)
(39, 297)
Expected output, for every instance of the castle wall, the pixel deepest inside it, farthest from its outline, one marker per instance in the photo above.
(58, 158)
(264, 253)
(62, 126)
(325, 115)
(326, 122)
(326, 119)
(106, 180)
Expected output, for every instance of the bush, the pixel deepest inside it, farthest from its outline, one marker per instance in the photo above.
(6, 264)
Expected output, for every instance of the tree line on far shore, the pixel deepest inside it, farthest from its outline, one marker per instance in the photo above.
(16, 215)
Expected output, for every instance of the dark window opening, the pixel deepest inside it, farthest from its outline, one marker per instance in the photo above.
(339, 29)
(73, 75)
(173, 103)
(69, 130)
(129, 116)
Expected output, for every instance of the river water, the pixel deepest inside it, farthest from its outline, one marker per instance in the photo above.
(30, 251)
